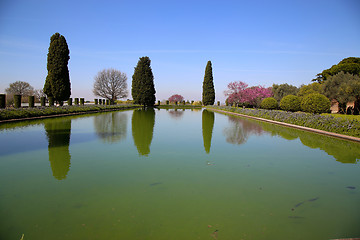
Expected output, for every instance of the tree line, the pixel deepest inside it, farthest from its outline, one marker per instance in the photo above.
(340, 83)
(110, 84)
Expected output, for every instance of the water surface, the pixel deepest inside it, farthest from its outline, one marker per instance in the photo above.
(166, 174)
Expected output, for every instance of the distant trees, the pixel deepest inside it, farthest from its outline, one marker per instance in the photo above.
(20, 88)
(57, 83)
(143, 89)
(176, 98)
(208, 94)
(110, 84)
(240, 93)
(282, 90)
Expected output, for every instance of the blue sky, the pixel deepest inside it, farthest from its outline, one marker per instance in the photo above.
(257, 42)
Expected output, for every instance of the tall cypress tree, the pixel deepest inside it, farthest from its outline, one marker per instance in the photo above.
(143, 89)
(57, 83)
(208, 95)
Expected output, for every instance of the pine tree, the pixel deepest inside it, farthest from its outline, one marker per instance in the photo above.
(208, 95)
(143, 89)
(57, 83)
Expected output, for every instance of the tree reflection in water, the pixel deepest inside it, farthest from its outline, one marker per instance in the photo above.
(176, 113)
(143, 121)
(208, 119)
(240, 130)
(342, 150)
(58, 134)
(111, 127)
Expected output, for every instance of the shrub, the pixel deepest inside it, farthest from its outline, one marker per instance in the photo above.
(107, 102)
(159, 103)
(218, 103)
(17, 101)
(76, 101)
(31, 101)
(69, 101)
(167, 102)
(2, 100)
(269, 103)
(315, 103)
(42, 101)
(51, 101)
(290, 103)
(96, 101)
(82, 101)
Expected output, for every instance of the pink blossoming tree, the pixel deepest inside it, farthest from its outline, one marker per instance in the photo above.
(176, 98)
(240, 93)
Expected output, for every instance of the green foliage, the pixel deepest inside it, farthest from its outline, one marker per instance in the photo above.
(2, 100)
(143, 89)
(269, 103)
(96, 101)
(218, 103)
(82, 101)
(69, 101)
(17, 101)
(31, 101)
(159, 102)
(42, 101)
(343, 87)
(315, 103)
(349, 65)
(208, 94)
(76, 100)
(290, 103)
(349, 127)
(309, 89)
(283, 90)
(51, 101)
(167, 102)
(57, 83)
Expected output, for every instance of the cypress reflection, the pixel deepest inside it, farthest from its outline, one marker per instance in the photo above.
(208, 119)
(58, 134)
(143, 121)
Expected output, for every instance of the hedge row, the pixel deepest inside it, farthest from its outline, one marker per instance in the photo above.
(311, 103)
(17, 113)
(350, 127)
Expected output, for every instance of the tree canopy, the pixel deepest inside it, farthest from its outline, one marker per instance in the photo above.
(240, 93)
(208, 94)
(110, 84)
(347, 65)
(20, 88)
(283, 90)
(176, 98)
(143, 89)
(343, 87)
(57, 83)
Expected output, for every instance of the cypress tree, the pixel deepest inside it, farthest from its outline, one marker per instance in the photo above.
(143, 89)
(57, 83)
(208, 95)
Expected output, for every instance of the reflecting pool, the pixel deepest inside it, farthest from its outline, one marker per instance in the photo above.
(175, 174)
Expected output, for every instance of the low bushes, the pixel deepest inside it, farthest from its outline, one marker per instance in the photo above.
(268, 103)
(349, 127)
(290, 103)
(315, 103)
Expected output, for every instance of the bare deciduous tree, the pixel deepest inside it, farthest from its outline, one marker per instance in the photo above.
(110, 84)
(21, 88)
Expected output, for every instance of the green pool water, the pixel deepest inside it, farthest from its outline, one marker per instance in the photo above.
(166, 174)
